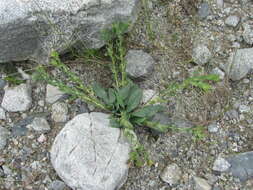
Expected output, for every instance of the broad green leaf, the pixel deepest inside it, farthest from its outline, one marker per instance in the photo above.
(134, 98)
(157, 126)
(100, 92)
(119, 101)
(148, 111)
(111, 96)
(14, 80)
(131, 137)
(114, 123)
(138, 120)
(124, 92)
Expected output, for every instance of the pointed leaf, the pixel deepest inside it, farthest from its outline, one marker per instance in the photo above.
(134, 98)
(148, 111)
(100, 92)
(114, 123)
(124, 92)
(111, 96)
(157, 126)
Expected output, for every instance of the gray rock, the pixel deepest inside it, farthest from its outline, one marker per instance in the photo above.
(2, 83)
(88, 154)
(201, 54)
(2, 114)
(241, 165)
(220, 3)
(218, 72)
(4, 133)
(53, 94)
(213, 128)
(221, 165)
(30, 29)
(148, 95)
(248, 32)
(241, 63)
(57, 185)
(40, 125)
(139, 64)
(60, 112)
(201, 184)
(232, 20)
(232, 114)
(17, 98)
(171, 174)
(244, 109)
(204, 10)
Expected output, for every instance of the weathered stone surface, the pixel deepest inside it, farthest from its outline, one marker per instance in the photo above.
(2, 114)
(248, 32)
(240, 64)
(53, 94)
(30, 29)
(232, 20)
(201, 184)
(139, 64)
(88, 154)
(201, 54)
(39, 124)
(4, 133)
(171, 174)
(60, 112)
(241, 165)
(17, 98)
(221, 165)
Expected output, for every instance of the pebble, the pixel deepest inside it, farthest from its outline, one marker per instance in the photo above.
(4, 133)
(219, 72)
(2, 114)
(201, 54)
(171, 174)
(204, 10)
(213, 128)
(221, 165)
(148, 94)
(201, 184)
(219, 3)
(17, 98)
(42, 138)
(57, 185)
(244, 109)
(232, 20)
(139, 64)
(2, 83)
(39, 124)
(248, 33)
(53, 94)
(60, 112)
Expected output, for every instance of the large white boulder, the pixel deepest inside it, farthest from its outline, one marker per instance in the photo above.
(88, 154)
(30, 29)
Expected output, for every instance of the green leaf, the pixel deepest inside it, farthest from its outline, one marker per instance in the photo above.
(131, 137)
(111, 96)
(124, 121)
(138, 120)
(124, 92)
(14, 80)
(100, 92)
(114, 123)
(148, 111)
(134, 98)
(157, 126)
(119, 101)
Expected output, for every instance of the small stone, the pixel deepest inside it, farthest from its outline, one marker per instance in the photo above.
(248, 32)
(232, 114)
(2, 114)
(42, 138)
(4, 133)
(204, 10)
(221, 165)
(139, 64)
(39, 124)
(171, 174)
(148, 94)
(17, 98)
(241, 165)
(53, 94)
(219, 3)
(232, 21)
(41, 103)
(240, 63)
(7, 170)
(60, 112)
(218, 72)
(213, 128)
(201, 184)
(244, 109)
(201, 54)
(2, 83)
(57, 185)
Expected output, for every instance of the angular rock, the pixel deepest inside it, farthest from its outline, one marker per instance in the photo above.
(30, 29)
(53, 94)
(88, 154)
(248, 32)
(241, 165)
(213, 128)
(204, 10)
(2, 83)
(201, 54)
(218, 72)
(201, 184)
(4, 133)
(221, 165)
(171, 174)
(232, 20)
(139, 64)
(17, 98)
(2, 114)
(148, 95)
(60, 112)
(57, 185)
(40, 125)
(241, 63)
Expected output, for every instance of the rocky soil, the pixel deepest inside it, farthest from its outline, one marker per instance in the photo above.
(180, 38)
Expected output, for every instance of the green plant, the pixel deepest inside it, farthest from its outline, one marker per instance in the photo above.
(123, 99)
